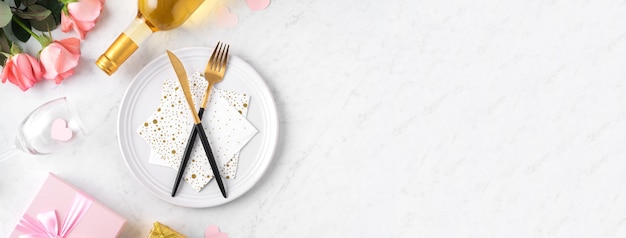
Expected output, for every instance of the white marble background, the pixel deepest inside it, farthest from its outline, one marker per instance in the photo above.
(398, 119)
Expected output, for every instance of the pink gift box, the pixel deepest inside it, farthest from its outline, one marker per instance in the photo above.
(87, 217)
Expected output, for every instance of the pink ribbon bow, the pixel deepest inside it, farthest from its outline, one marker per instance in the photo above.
(47, 223)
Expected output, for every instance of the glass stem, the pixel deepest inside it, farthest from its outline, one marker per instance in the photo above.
(7, 151)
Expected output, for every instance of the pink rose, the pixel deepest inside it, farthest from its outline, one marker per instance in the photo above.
(60, 58)
(22, 70)
(82, 16)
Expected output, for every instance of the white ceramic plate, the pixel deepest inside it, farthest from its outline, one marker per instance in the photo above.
(141, 100)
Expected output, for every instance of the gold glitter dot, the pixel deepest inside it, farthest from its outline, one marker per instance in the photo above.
(240, 112)
(154, 121)
(158, 109)
(174, 138)
(164, 96)
(227, 177)
(245, 105)
(145, 124)
(175, 88)
(193, 175)
(173, 151)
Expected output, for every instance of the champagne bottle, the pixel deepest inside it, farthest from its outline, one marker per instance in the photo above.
(152, 16)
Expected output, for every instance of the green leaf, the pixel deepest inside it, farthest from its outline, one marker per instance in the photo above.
(55, 7)
(4, 46)
(4, 42)
(44, 25)
(29, 2)
(19, 32)
(34, 12)
(5, 14)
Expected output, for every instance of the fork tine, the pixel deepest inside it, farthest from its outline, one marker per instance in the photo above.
(224, 60)
(218, 59)
(212, 59)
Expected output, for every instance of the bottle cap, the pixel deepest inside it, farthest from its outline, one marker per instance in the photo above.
(117, 53)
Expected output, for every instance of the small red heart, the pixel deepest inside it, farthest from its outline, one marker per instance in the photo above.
(214, 232)
(225, 18)
(256, 5)
(59, 130)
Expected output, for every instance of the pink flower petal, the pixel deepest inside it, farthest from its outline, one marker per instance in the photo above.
(66, 23)
(82, 16)
(23, 72)
(60, 58)
(85, 10)
(71, 44)
(6, 70)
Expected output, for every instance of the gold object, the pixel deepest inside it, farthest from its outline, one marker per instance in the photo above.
(164, 15)
(184, 83)
(152, 16)
(215, 69)
(117, 53)
(162, 231)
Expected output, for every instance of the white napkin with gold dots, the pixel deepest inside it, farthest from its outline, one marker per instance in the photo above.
(224, 121)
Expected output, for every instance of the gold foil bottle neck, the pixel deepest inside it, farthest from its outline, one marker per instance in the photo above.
(117, 53)
(152, 16)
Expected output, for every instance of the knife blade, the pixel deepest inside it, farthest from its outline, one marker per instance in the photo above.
(181, 74)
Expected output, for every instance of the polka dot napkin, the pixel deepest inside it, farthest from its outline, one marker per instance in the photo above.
(224, 121)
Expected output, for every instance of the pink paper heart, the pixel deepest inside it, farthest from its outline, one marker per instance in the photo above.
(225, 18)
(256, 5)
(59, 130)
(214, 232)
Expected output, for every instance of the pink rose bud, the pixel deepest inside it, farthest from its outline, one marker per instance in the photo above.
(82, 16)
(22, 70)
(60, 58)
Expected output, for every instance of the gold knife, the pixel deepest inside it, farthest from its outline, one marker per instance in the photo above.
(184, 83)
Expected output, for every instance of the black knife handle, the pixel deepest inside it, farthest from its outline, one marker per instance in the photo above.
(183, 163)
(209, 155)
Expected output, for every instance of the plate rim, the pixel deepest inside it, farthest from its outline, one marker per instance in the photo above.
(272, 122)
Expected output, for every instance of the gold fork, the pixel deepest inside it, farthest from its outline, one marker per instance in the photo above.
(214, 73)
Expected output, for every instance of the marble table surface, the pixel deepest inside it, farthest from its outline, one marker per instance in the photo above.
(397, 119)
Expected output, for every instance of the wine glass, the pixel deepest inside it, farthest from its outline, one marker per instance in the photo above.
(50, 127)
